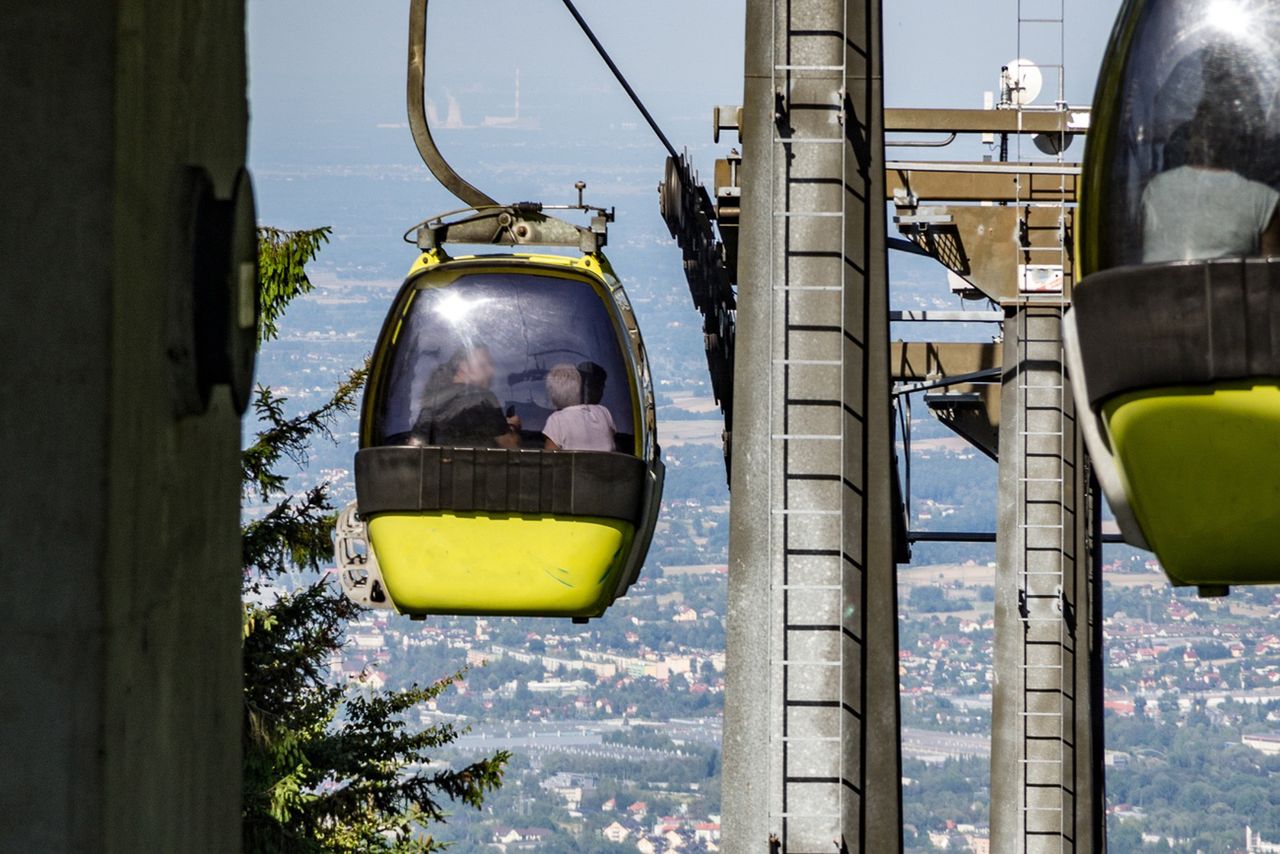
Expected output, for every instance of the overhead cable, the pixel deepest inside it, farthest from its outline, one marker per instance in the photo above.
(635, 99)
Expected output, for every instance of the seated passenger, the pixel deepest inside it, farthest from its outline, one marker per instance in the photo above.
(593, 377)
(1200, 210)
(459, 410)
(575, 426)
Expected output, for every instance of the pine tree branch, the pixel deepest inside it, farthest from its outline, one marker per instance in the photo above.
(282, 259)
(290, 437)
(326, 767)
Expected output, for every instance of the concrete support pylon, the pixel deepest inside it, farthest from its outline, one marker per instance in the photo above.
(1046, 774)
(811, 737)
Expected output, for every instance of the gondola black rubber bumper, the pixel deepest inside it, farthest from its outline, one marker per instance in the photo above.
(1186, 323)
(406, 479)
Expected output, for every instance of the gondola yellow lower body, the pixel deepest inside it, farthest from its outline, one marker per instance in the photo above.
(1201, 467)
(473, 563)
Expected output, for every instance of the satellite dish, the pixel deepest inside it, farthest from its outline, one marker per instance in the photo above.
(1021, 82)
(1053, 143)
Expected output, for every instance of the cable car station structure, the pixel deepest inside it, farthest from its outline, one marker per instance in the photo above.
(1165, 372)
(818, 524)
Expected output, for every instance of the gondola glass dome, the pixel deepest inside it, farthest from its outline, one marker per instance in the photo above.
(508, 461)
(1173, 339)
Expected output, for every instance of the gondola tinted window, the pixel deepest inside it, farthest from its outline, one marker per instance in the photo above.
(1186, 165)
(509, 361)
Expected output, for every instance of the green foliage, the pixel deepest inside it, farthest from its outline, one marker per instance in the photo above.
(327, 767)
(932, 600)
(956, 790)
(282, 259)
(1193, 781)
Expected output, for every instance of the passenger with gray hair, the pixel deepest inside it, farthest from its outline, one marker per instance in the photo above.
(575, 425)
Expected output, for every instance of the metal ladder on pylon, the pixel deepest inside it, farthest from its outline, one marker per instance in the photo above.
(1047, 532)
(807, 448)
(1049, 506)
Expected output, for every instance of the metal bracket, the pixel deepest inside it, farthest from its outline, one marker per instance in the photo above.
(520, 224)
(725, 118)
(922, 219)
(781, 111)
(1068, 612)
(357, 569)
(213, 307)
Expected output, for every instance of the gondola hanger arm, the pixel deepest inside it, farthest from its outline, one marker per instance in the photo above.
(416, 96)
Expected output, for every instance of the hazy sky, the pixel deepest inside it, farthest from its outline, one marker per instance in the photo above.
(325, 72)
(320, 65)
(327, 83)
(944, 53)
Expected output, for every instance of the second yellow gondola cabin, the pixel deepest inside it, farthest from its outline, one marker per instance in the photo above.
(1173, 340)
(508, 460)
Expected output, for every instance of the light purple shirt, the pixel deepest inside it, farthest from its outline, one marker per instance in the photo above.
(585, 427)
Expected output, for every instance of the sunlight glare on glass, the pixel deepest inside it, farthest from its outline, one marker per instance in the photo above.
(1231, 16)
(454, 308)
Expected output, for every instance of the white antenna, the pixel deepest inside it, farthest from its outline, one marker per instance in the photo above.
(1020, 83)
(988, 103)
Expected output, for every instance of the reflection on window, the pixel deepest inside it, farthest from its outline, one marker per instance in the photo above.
(503, 360)
(1193, 165)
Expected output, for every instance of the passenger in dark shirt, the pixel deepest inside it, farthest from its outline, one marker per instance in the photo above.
(593, 379)
(459, 409)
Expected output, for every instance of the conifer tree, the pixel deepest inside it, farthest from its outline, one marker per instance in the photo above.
(327, 767)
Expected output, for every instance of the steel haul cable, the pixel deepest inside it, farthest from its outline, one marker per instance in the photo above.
(631, 93)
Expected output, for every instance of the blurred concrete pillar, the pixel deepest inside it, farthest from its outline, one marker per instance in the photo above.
(119, 549)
